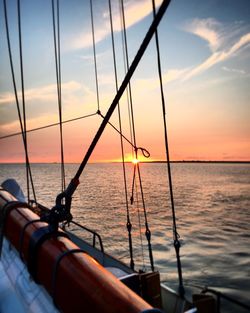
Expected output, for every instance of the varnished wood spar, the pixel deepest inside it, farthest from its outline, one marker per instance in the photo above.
(82, 284)
(5, 197)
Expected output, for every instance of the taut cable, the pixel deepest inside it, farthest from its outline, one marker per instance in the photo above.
(56, 36)
(176, 236)
(28, 169)
(129, 224)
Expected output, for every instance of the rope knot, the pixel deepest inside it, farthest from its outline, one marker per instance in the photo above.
(177, 245)
(129, 226)
(131, 200)
(148, 234)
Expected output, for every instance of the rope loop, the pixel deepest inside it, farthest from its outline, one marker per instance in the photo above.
(144, 151)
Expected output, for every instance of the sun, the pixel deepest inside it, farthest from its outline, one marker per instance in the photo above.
(135, 161)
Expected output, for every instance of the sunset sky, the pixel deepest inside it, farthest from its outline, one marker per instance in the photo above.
(205, 55)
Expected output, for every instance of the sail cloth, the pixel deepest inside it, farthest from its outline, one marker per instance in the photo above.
(19, 293)
(13, 188)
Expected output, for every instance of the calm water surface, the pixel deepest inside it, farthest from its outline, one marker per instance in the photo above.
(212, 204)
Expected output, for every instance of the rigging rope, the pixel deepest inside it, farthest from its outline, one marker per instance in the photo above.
(136, 166)
(147, 232)
(126, 66)
(23, 96)
(64, 199)
(175, 233)
(28, 168)
(123, 86)
(129, 224)
(140, 228)
(49, 125)
(56, 37)
(144, 151)
(94, 52)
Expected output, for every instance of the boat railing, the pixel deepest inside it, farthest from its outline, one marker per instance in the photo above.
(94, 233)
(219, 296)
(38, 208)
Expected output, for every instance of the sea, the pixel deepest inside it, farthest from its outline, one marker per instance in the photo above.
(212, 208)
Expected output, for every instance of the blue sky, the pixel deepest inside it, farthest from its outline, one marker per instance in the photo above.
(205, 54)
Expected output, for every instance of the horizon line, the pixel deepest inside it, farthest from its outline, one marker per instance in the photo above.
(156, 161)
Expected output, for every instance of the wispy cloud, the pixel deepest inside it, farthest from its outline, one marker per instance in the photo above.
(224, 41)
(167, 77)
(44, 93)
(41, 105)
(206, 29)
(135, 11)
(14, 126)
(233, 70)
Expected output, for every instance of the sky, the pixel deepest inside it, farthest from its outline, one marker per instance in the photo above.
(205, 60)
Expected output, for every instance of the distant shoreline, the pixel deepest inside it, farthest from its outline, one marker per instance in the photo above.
(198, 161)
(144, 162)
